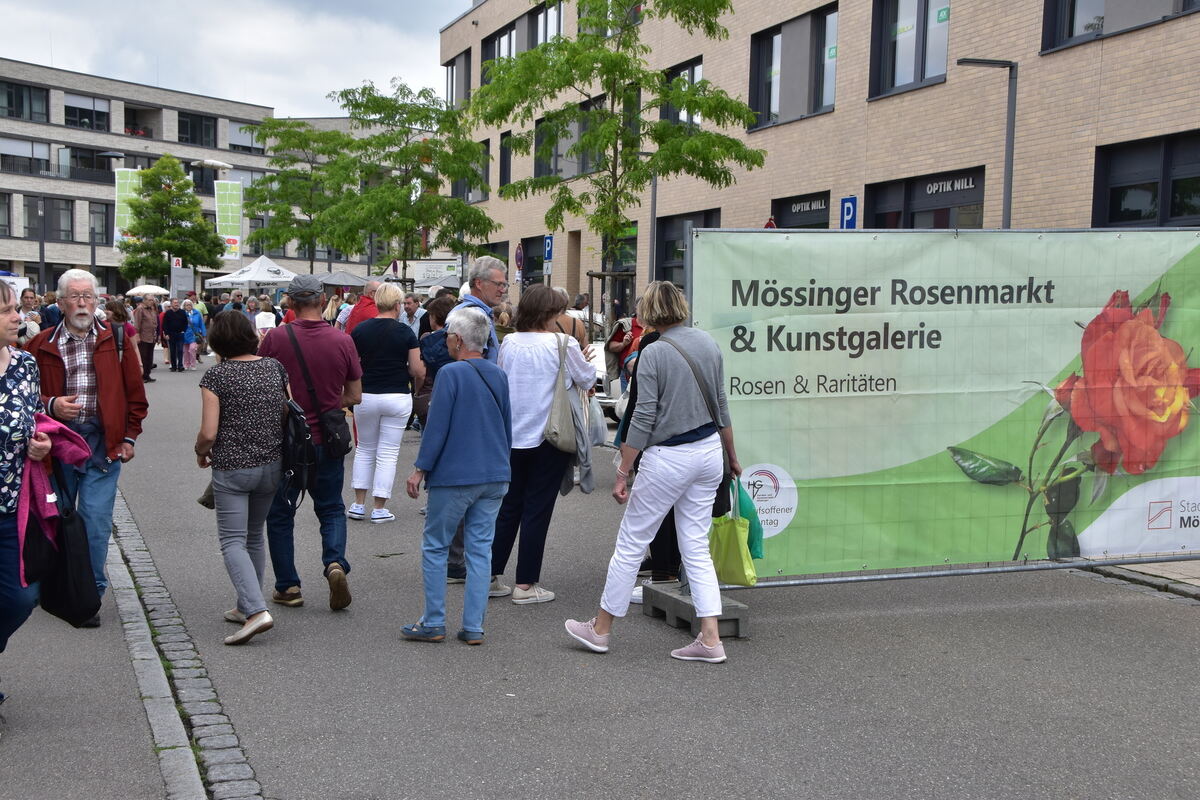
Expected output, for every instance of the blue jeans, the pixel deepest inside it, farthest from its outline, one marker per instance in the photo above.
(326, 496)
(476, 506)
(16, 603)
(93, 492)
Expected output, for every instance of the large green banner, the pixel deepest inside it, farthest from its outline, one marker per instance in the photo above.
(229, 217)
(127, 184)
(911, 398)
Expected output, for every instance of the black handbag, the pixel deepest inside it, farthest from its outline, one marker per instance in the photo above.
(68, 588)
(335, 430)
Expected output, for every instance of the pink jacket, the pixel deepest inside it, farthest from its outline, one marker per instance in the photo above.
(36, 500)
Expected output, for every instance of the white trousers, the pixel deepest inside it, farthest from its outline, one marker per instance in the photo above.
(685, 476)
(380, 420)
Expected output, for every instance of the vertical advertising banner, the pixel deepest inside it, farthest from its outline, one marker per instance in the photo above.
(910, 398)
(127, 184)
(229, 217)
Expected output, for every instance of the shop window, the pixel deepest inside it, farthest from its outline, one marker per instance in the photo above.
(1149, 183)
(911, 41)
(24, 102)
(801, 211)
(243, 139)
(793, 67)
(198, 130)
(505, 165)
(947, 200)
(691, 73)
(672, 235)
(1074, 21)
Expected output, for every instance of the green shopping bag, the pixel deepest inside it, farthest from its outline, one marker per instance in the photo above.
(747, 509)
(727, 543)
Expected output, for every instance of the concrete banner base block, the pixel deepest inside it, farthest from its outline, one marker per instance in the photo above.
(665, 600)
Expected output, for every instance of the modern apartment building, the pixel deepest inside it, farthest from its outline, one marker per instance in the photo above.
(63, 133)
(865, 99)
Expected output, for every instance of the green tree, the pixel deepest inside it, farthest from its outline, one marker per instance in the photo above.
(407, 142)
(598, 104)
(167, 221)
(292, 199)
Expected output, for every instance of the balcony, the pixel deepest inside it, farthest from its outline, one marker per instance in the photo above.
(139, 130)
(43, 169)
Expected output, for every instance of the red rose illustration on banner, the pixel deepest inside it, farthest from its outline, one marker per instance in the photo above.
(1135, 393)
(1135, 388)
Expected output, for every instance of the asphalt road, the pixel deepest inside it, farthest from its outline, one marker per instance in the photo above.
(1024, 686)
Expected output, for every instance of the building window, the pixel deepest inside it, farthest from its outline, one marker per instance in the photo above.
(620, 290)
(545, 22)
(505, 166)
(80, 111)
(57, 214)
(691, 73)
(5, 215)
(1153, 182)
(24, 102)
(23, 157)
(100, 217)
(946, 200)
(910, 44)
(140, 162)
(478, 195)
(801, 211)
(793, 67)
(1073, 21)
(534, 260)
(195, 129)
(501, 44)
(498, 250)
(673, 234)
(545, 158)
(247, 177)
(202, 179)
(458, 79)
(244, 141)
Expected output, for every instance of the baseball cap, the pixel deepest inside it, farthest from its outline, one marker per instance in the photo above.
(305, 285)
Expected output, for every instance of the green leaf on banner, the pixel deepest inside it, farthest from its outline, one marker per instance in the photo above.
(985, 469)
(1061, 499)
(1062, 542)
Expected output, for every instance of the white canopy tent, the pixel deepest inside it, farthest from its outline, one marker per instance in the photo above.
(260, 272)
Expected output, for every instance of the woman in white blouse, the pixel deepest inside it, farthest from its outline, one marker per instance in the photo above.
(530, 357)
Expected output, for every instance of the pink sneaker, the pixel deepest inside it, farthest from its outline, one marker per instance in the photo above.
(699, 651)
(585, 634)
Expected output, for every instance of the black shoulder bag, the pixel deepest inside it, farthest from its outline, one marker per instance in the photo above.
(68, 588)
(335, 431)
(299, 451)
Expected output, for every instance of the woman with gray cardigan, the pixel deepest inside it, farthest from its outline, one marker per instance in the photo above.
(680, 441)
(241, 438)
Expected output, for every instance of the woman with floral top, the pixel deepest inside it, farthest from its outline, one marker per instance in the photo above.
(241, 438)
(19, 400)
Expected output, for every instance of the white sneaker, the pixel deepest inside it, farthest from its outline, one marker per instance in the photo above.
(636, 597)
(498, 589)
(356, 511)
(534, 594)
(380, 515)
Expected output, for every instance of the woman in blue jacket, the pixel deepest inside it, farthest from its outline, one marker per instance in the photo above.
(191, 337)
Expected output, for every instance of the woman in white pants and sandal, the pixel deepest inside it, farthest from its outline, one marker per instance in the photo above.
(679, 426)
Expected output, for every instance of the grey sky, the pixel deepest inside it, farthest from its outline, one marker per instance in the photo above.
(287, 54)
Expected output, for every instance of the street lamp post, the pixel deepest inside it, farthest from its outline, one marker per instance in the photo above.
(1010, 128)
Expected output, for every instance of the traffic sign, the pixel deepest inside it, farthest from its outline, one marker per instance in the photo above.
(548, 248)
(849, 218)
(519, 257)
(176, 262)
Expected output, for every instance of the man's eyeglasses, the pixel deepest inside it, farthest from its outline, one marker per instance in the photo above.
(501, 284)
(75, 298)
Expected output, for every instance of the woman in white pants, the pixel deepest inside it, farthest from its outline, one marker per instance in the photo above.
(679, 426)
(392, 369)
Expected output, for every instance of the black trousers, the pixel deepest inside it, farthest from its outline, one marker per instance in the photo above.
(146, 351)
(532, 491)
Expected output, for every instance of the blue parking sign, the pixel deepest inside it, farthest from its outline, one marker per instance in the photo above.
(849, 218)
(548, 248)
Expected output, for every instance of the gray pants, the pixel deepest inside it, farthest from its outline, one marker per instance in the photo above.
(243, 497)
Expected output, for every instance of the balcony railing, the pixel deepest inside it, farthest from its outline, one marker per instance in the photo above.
(43, 170)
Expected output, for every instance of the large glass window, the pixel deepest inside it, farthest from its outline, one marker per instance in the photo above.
(197, 129)
(1071, 21)
(692, 72)
(24, 102)
(501, 44)
(945, 200)
(505, 166)
(57, 214)
(5, 215)
(458, 79)
(535, 262)
(244, 141)
(24, 157)
(1149, 183)
(911, 43)
(673, 234)
(202, 178)
(545, 23)
(100, 222)
(81, 111)
(793, 67)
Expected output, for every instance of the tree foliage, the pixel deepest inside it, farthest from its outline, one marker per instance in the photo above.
(293, 198)
(596, 101)
(167, 221)
(407, 143)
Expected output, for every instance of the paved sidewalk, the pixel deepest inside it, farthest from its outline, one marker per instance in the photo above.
(1180, 577)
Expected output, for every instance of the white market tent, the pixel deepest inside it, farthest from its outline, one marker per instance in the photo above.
(260, 272)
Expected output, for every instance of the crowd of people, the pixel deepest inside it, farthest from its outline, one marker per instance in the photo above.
(483, 394)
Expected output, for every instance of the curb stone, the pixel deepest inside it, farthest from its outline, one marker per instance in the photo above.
(1152, 582)
(191, 732)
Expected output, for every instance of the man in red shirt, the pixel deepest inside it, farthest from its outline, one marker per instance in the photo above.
(365, 308)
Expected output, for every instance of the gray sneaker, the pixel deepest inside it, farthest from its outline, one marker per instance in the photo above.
(585, 634)
(699, 651)
(534, 594)
(498, 589)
